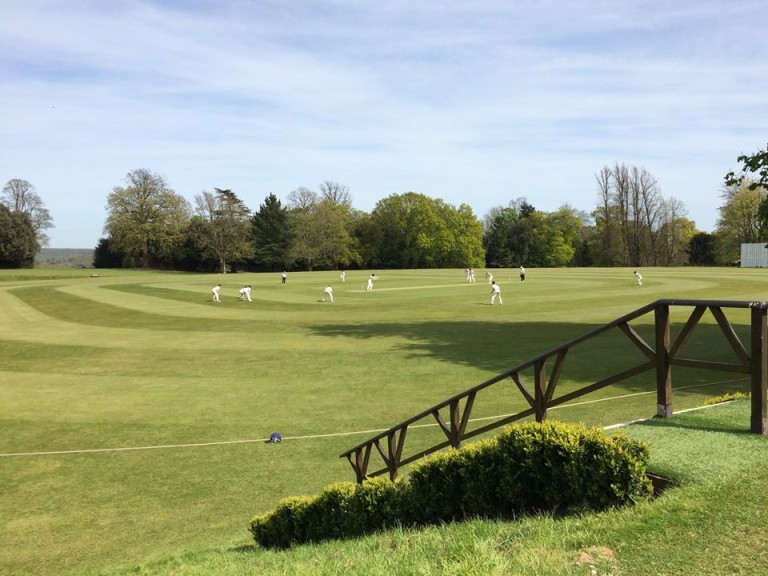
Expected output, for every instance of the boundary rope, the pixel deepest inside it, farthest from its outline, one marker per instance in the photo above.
(355, 433)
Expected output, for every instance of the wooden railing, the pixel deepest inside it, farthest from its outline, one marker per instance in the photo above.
(453, 414)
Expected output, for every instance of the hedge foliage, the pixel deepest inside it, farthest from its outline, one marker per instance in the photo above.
(549, 467)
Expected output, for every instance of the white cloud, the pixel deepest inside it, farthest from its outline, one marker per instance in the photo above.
(478, 102)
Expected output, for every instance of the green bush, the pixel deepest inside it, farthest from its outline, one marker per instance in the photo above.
(436, 491)
(560, 468)
(482, 462)
(341, 510)
(374, 505)
(284, 526)
(325, 515)
(552, 467)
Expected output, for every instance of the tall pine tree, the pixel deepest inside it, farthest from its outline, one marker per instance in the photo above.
(271, 235)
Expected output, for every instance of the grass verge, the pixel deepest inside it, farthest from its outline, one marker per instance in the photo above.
(134, 410)
(712, 523)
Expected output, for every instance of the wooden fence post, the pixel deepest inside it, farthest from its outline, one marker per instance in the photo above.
(759, 370)
(663, 366)
(540, 389)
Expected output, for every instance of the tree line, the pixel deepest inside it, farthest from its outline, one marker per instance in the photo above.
(149, 225)
(24, 220)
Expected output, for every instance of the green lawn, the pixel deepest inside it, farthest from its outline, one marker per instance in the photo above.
(712, 523)
(135, 410)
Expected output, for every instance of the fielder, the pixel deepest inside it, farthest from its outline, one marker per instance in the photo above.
(215, 292)
(328, 292)
(495, 291)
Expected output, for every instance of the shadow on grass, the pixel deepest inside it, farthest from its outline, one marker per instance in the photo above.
(702, 424)
(500, 346)
(493, 346)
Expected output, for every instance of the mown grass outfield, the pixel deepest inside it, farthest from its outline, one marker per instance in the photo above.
(135, 411)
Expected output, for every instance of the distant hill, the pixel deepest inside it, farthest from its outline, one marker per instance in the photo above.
(64, 258)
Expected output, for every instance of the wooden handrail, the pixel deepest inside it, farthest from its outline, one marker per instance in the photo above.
(753, 360)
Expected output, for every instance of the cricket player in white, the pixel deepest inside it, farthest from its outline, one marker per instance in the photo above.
(215, 292)
(328, 292)
(495, 291)
(245, 293)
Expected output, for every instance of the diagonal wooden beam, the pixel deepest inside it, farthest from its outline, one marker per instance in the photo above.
(383, 453)
(637, 340)
(730, 335)
(360, 462)
(523, 390)
(440, 422)
(693, 320)
(394, 450)
(397, 452)
(555, 376)
(465, 416)
(458, 419)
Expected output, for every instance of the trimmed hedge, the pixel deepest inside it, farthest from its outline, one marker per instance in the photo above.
(529, 468)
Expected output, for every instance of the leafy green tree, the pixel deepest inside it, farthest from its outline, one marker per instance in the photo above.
(509, 234)
(555, 237)
(674, 241)
(271, 235)
(415, 231)
(20, 196)
(323, 228)
(754, 173)
(520, 235)
(467, 243)
(18, 242)
(364, 235)
(304, 246)
(702, 249)
(498, 253)
(188, 256)
(222, 228)
(146, 220)
(739, 220)
(104, 255)
(673, 234)
(754, 169)
(337, 248)
(390, 218)
(320, 236)
(582, 255)
(521, 238)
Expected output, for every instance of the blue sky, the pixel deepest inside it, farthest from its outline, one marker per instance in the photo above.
(478, 102)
